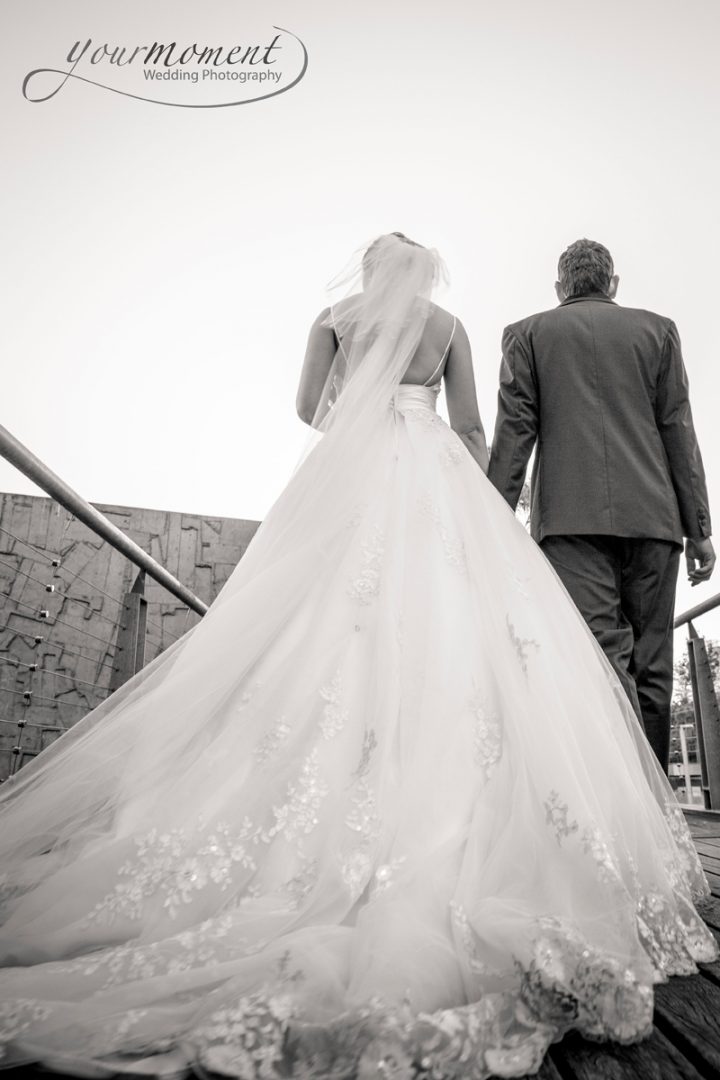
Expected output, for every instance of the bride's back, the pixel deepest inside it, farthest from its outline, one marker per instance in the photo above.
(431, 348)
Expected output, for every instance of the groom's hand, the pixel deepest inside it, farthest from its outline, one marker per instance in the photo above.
(700, 559)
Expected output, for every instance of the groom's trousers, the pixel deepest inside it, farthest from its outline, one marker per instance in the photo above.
(625, 589)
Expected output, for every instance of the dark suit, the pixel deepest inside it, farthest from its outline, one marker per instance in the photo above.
(618, 479)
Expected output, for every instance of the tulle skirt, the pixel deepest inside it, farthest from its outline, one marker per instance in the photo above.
(385, 811)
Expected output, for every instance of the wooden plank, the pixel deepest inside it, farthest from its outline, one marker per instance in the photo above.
(687, 1011)
(714, 882)
(710, 862)
(655, 1058)
(703, 823)
(709, 848)
(710, 911)
(706, 832)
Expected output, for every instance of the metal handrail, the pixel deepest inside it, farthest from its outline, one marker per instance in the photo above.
(37, 471)
(705, 707)
(697, 611)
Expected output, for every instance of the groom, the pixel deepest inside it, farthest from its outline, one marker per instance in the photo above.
(618, 479)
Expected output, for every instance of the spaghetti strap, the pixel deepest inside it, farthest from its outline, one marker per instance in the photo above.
(428, 381)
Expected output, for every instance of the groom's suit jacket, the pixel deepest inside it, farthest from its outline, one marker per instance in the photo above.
(603, 391)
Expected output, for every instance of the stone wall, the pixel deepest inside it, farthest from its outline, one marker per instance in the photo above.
(75, 607)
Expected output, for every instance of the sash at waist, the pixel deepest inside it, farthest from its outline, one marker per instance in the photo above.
(415, 397)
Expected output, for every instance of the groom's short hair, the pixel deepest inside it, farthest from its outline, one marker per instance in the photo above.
(585, 267)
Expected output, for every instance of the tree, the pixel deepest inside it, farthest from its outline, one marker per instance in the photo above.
(682, 702)
(682, 689)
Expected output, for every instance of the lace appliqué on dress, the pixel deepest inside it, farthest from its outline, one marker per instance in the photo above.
(366, 586)
(556, 816)
(520, 645)
(673, 943)
(113, 1034)
(334, 717)
(167, 862)
(272, 741)
(487, 733)
(452, 453)
(672, 934)
(200, 946)
(453, 546)
(298, 816)
(363, 820)
(568, 983)
(16, 1016)
(520, 582)
(593, 845)
(302, 884)
(385, 877)
(249, 1038)
(368, 746)
(689, 875)
(249, 691)
(468, 938)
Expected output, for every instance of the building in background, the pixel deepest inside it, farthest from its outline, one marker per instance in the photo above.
(62, 594)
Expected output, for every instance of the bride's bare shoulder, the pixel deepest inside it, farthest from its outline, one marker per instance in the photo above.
(346, 301)
(440, 314)
(441, 318)
(336, 309)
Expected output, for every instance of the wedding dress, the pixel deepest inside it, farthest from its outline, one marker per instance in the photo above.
(385, 811)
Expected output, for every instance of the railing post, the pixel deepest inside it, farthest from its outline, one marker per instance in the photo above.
(707, 718)
(686, 760)
(130, 647)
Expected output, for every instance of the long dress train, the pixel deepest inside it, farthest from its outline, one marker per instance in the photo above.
(400, 819)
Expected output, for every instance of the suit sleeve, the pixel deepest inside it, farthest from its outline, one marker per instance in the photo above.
(677, 431)
(517, 420)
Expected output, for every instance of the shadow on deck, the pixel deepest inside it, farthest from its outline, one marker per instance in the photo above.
(685, 1043)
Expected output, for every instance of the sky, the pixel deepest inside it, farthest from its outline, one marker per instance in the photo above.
(163, 265)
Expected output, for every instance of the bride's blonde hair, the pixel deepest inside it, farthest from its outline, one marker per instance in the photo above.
(372, 247)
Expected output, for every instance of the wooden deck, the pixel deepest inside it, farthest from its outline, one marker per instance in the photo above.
(685, 1044)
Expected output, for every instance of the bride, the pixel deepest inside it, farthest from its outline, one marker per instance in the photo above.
(385, 811)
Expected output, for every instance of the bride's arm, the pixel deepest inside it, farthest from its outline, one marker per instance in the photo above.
(462, 397)
(319, 356)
